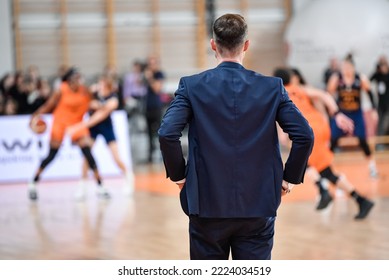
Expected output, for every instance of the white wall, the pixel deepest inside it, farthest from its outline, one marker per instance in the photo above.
(300, 4)
(6, 39)
(322, 29)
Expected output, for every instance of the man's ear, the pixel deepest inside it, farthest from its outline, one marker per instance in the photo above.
(246, 45)
(213, 44)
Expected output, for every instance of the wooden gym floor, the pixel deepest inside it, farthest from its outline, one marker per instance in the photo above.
(151, 226)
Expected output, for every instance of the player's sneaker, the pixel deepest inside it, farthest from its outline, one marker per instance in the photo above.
(80, 193)
(32, 193)
(325, 200)
(365, 206)
(103, 192)
(373, 171)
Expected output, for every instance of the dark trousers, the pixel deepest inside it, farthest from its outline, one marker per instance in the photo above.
(153, 120)
(246, 238)
(383, 120)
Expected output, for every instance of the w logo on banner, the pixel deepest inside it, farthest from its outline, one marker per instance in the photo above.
(16, 144)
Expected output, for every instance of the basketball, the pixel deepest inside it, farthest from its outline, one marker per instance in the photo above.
(38, 125)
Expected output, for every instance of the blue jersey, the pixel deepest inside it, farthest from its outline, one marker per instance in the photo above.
(349, 102)
(105, 127)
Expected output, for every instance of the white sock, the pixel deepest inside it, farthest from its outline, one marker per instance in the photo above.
(32, 185)
(129, 183)
(81, 190)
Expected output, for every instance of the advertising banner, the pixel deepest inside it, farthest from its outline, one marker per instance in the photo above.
(21, 151)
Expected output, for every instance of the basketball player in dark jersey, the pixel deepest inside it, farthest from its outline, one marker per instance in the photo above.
(347, 88)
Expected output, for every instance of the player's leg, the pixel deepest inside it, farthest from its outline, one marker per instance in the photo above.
(320, 158)
(128, 173)
(336, 133)
(325, 196)
(371, 161)
(57, 134)
(113, 147)
(85, 143)
(360, 132)
(54, 147)
(341, 181)
(108, 133)
(81, 191)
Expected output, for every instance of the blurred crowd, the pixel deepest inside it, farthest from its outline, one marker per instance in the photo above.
(23, 91)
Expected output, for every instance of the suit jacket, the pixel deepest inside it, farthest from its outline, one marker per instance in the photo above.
(234, 167)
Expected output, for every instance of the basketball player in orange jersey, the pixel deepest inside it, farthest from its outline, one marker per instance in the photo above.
(100, 123)
(69, 105)
(321, 158)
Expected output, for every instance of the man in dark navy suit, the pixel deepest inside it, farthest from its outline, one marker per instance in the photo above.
(233, 179)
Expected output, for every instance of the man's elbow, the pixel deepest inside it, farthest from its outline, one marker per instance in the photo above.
(310, 138)
(163, 132)
(304, 138)
(161, 135)
(165, 136)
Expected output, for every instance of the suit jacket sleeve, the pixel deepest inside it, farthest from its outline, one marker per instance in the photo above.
(296, 126)
(173, 123)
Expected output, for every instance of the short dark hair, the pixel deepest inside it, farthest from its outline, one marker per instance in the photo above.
(230, 31)
(282, 73)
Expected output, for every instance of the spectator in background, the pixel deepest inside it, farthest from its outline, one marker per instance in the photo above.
(154, 78)
(2, 103)
(332, 68)
(39, 95)
(381, 79)
(58, 79)
(20, 90)
(17, 85)
(33, 74)
(10, 107)
(134, 88)
(6, 83)
(29, 94)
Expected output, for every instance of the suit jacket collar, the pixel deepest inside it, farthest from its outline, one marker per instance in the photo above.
(230, 64)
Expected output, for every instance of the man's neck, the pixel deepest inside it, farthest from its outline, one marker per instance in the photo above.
(229, 60)
(236, 59)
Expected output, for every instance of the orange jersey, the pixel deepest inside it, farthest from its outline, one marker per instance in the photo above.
(321, 156)
(70, 110)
